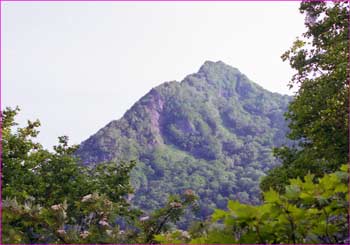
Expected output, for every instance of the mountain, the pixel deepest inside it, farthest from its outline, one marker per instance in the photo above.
(212, 133)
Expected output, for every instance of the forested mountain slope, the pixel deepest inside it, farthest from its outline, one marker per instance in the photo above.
(212, 133)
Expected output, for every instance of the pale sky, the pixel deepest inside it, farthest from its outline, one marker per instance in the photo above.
(78, 65)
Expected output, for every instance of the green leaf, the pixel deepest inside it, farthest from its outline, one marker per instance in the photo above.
(272, 196)
(344, 168)
(292, 192)
(219, 214)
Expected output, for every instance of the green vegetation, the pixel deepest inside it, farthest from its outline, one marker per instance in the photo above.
(319, 113)
(212, 133)
(308, 212)
(49, 198)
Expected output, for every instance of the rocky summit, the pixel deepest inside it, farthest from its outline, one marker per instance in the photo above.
(212, 132)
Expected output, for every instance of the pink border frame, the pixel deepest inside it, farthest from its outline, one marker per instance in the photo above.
(1, 1)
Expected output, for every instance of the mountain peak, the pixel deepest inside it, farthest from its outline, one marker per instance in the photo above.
(209, 62)
(217, 76)
(210, 66)
(215, 128)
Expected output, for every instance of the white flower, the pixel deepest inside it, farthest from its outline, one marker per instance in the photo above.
(27, 206)
(86, 198)
(84, 234)
(175, 205)
(144, 218)
(56, 207)
(103, 223)
(185, 234)
(109, 232)
(61, 231)
(189, 192)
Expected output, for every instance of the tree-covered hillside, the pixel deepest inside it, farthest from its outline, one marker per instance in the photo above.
(213, 132)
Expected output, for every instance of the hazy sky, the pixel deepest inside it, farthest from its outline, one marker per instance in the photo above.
(78, 65)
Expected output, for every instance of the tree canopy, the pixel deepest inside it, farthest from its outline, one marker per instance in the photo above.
(49, 198)
(307, 212)
(318, 115)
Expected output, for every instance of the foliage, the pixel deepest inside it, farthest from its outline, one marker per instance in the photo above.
(49, 198)
(308, 212)
(29, 223)
(158, 222)
(319, 113)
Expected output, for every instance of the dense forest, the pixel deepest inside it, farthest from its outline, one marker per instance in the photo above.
(214, 142)
(212, 133)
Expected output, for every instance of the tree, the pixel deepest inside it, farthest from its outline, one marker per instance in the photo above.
(50, 198)
(44, 191)
(310, 211)
(157, 223)
(318, 115)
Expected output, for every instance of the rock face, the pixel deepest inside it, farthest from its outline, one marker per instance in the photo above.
(213, 133)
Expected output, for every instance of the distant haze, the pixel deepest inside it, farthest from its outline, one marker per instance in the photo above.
(78, 65)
